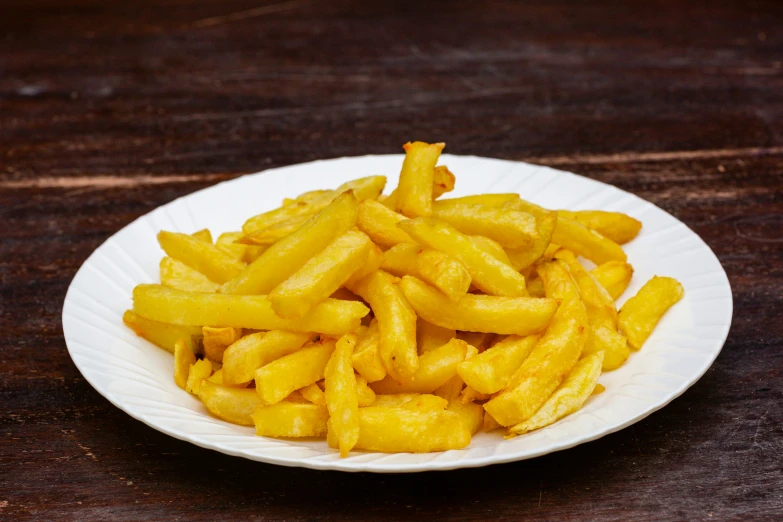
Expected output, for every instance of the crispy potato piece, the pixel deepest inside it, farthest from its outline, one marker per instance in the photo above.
(568, 398)
(291, 419)
(599, 389)
(184, 358)
(471, 415)
(217, 339)
(479, 313)
(206, 258)
(163, 335)
(436, 268)
(396, 323)
(313, 393)
(274, 233)
(364, 393)
(216, 378)
(471, 395)
(490, 424)
(491, 247)
(276, 380)
(380, 223)
(452, 389)
(424, 402)
(253, 252)
(332, 316)
(289, 254)
(434, 369)
(398, 399)
(204, 235)
(442, 182)
(511, 228)
(586, 242)
(341, 397)
(430, 336)
(310, 195)
(397, 430)
(614, 276)
(490, 200)
(369, 187)
(246, 355)
(366, 359)
(552, 357)
(176, 274)
(490, 275)
(640, 314)
(414, 190)
(370, 265)
(201, 369)
(546, 221)
(620, 228)
(235, 405)
(491, 370)
(321, 276)
(227, 243)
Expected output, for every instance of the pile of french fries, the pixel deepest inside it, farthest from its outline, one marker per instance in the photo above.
(399, 323)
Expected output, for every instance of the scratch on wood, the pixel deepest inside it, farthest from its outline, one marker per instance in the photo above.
(103, 181)
(246, 14)
(637, 157)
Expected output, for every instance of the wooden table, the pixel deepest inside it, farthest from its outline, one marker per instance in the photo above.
(109, 109)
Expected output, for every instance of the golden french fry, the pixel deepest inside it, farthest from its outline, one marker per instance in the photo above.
(370, 265)
(216, 378)
(490, 424)
(491, 370)
(509, 227)
(204, 235)
(430, 336)
(490, 200)
(227, 243)
(235, 405)
(552, 357)
(253, 252)
(620, 228)
(479, 313)
(568, 398)
(176, 274)
(341, 397)
(276, 380)
(443, 181)
(614, 276)
(364, 393)
(163, 335)
(471, 415)
(274, 233)
(599, 389)
(639, 315)
(201, 369)
(183, 359)
(332, 316)
(397, 400)
(321, 276)
(436, 268)
(396, 323)
(369, 187)
(414, 190)
(471, 395)
(423, 402)
(310, 195)
(490, 275)
(366, 358)
(546, 221)
(380, 223)
(491, 247)
(586, 242)
(392, 430)
(201, 256)
(452, 389)
(291, 419)
(434, 369)
(313, 393)
(217, 339)
(246, 355)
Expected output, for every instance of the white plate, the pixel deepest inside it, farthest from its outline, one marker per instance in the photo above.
(137, 376)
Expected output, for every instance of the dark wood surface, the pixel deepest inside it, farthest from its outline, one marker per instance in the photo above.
(109, 109)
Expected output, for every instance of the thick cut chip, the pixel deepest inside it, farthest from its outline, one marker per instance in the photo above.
(509, 227)
(364, 393)
(490, 424)
(430, 336)
(314, 394)
(288, 255)
(490, 200)
(201, 369)
(620, 228)
(435, 368)
(614, 276)
(245, 356)
(398, 430)
(640, 313)
(227, 243)
(214, 263)
(176, 274)
(491, 247)
(291, 419)
(479, 313)
(586, 242)
(396, 323)
(491, 370)
(371, 264)
(278, 379)
(163, 335)
(321, 276)
(183, 359)
(414, 191)
(488, 273)
(332, 316)
(341, 397)
(568, 398)
(204, 235)
(442, 182)
(432, 266)
(471, 415)
(380, 223)
(546, 221)
(274, 233)
(411, 401)
(232, 404)
(217, 339)
(366, 358)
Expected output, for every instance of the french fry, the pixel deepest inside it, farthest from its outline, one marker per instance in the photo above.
(310, 195)
(491, 370)
(370, 265)
(434, 369)
(227, 243)
(639, 315)
(620, 228)
(366, 359)
(479, 313)
(392, 430)
(452, 389)
(369, 187)
(176, 274)
(490, 200)
(184, 358)
(332, 316)
(490, 424)
(546, 221)
(246, 355)
(471, 415)
(235, 405)
(430, 336)
(509, 227)
(442, 182)
(396, 323)
(290, 419)
(614, 276)
(203, 235)
(364, 393)
(568, 398)
(491, 247)
(217, 339)
(487, 273)
(586, 242)
(206, 258)
(313, 393)
(380, 223)
(414, 190)
(216, 378)
(274, 233)
(201, 369)
(341, 397)
(471, 395)
(398, 399)
(321, 276)
(436, 268)
(424, 402)
(276, 380)
(552, 357)
(163, 335)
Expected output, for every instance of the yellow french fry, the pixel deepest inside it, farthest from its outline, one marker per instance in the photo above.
(471, 395)
(321, 276)
(217, 339)
(246, 355)
(332, 316)
(479, 313)
(380, 223)
(452, 389)
(490, 424)
(509, 227)
(471, 415)
(490, 275)
(586, 242)
(201, 369)
(546, 221)
(641, 313)
(163, 335)
(310, 195)
(366, 358)
(614, 276)
(396, 323)
(217, 377)
(422, 402)
(364, 393)
(430, 336)
(490, 200)
(313, 393)
(203, 235)
(176, 274)
(371, 264)
(434, 369)
(341, 397)
(369, 187)
(214, 263)
(432, 266)
(414, 191)
(442, 182)
(491, 247)
(291, 419)
(568, 398)
(398, 399)
(278, 379)
(620, 228)
(491, 370)
(227, 243)
(274, 233)
(232, 404)
(183, 359)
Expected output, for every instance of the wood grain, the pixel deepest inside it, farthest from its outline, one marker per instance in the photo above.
(109, 109)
